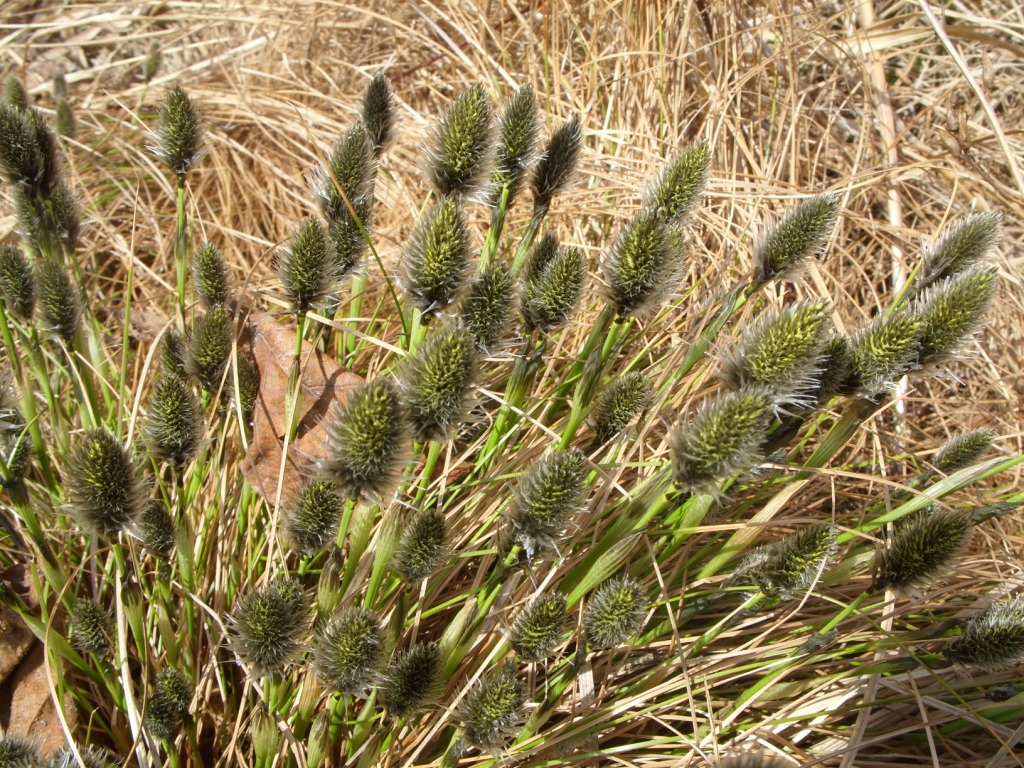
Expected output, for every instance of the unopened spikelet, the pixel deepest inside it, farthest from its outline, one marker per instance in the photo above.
(307, 267)
(460, 152)
(682, 183)
(350, 651)
(17, 284)
(59, 302)
(994, 640)
(620, 402)
(210, 276)
(486, 306)
(963, 244)
(14, 92)
(16, 752)
(782, 351)
(413, 679)
(836, 369)
(209, 347)
(549, 495)
(67, 223)
(437, 381)
(348, 173)
(423, 546)
(318, 745)
(64, 119)
(644, 265)
(314, 518)
(437, 257)
(615, 612)
(270, 625)
(517, 136)
(922, 550)
(722, 438)
(151, 64)
(884, 351)
(492, 711)
(538, 629)
(265, 736)
(174, 421)
(92, 627)
(788, 566)
(963, 450)
(378, 112)
(156, 529)
(552, 292)
(556, 164)
(367, 440)
(179, 134)
(60, 84)
(346, 243)
(795, 238)
(101, 483)
(950, 311)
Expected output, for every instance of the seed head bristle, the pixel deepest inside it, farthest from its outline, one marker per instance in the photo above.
(461, 147)
(884, 351)
(102, 483)
(682, 183)
(349, 173)
(963, 244)
(615, 612)
(920, 551)
(994, 640)
(17, 752)
(66, 216)
(345, 241)
(624, 397)
(179, 134)
(92, 627)
(151, 64)
(307, 267)
(64, 119)
(248, 390)
(963, 450)
(950, 311)
(15, 93)
(795, 238)
(413, 679)
(787, 567)
(28, 151)
(156, 529)
(518, 127)
(538, 629)
(548, 496)
(492, 711)
(378, 112)
(60, 84)
(350, 651)
(209, 347)
(210, 276)
(552, 292)
(486, 306)
(174, 420)
(437, 381)
(836, 369)
(437, 257)
(314, 518)
(644, 265)
(557, 163)
(423, 546)
(269, 626)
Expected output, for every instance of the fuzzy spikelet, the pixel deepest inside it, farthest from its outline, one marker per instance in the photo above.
(492, 712)
(349, 651)
(348, 173)
(963, 450)
(624, 397)
(101, 483)
(539, 627)
(552, 288)
(16, 752)
(682, 183)
(179, 135)
(547, 498)
(920, 551)
(66, 216)
(17, 284)
(209, 347)
(836, 368)
(992, 641)
(59, 302)
(270, 625)
(413, 679)
(174, 421)
(884, 351)
(151, 64)
(436, 259)
(517, 137)
(615, 612)
(92, 627)
(964, 243)
(437, 381)
(378, 112)
(156, 529)
(14, 92)
(173, 684)
(92, 757)
(60, 84)
(210, 276)
(781, 351)
(64, 119)
(28, 151)
(950, 311)
(644, 265)
(461, 147)
(161, 719)
(722, 438)
(423, 546)
(557, 163)
(313, 520)
(248, 387)
(787, 567)
(173, 353)
(345, 242)
(795, 238)
(307, 267)
(366, 442)
(486, 306)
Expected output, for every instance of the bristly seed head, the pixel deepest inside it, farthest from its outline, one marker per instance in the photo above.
(644, 265)
(518, 129)
(964, 243)
(437, 257)
(795, 238)
(461, 147)
(624, 397)
(350, 651)
(950, 311)
(836, 369)
(557, 163)
(486, 306)
(15, 443)
(547, 498)
(14, 92)
(994, 640)
(174, 420)
(313, 520)
(92, 627)
(102, 484)
(64, 119)
(963, 450)
(151, 64)
(552, 287)
(28, 151)
(156, 529)
(378, 112)
(437, 381)
(59, 300)
(413, 679)
(307, 267)
(179, 135)
(66, 216)
(884, 351)
(539, 627)
(345, 241)
(682, 183)
(787, 567)
(17, 752)
(210, 274)
(492, 712)
(920, 551)
(209, 347)
(350, 168)
(176, 688)
(270, 625)
(17, 284)
(423, 546)
(615, 612)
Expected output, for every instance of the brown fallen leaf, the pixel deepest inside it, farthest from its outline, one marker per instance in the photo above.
(323, 382)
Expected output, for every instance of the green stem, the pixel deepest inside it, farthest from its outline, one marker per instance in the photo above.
(494, 232)
(181, 248)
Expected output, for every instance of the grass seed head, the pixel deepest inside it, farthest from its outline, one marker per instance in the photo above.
(350, 651)
(963, 244)
(556, 164)
(963, 450)
(14, 92)
(156, 529)
(378, 112)
(17, 283)
(28, 151)
(518, 127)
(269, 626)
(349, 173)
(102, 484)
(493, 710)
(795, 238)
(179, 134)
(788, 566)
(67, 220)
(16, 752)
(210, 276)
(60, 306)
(413, 679)
(92, 627)
(60, 84)
(552, 291)
(314, 519)
(15, 446)
(423, 546)
(884, 351)
(682, 183)
(461, 147)
(920, 551)
(92, 757)
(993, 640)
(548, 497)
(615, 612)
(345, 242)
(437, 380)
(437, 257)
(486, 306)
(174, 420)
(836, 368)
(644, 265)
(161, 718)
(151, 64)
(173, 353)
(176, 687)
(248, 387)
(950, 311)
(307, 267)
(538, 629)
(209, 347)
(64, 119)
(620, 402)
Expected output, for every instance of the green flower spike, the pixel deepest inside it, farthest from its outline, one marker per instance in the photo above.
(553, 287)
(66, 215)
(950, 311)
(248, 387)
(682, 183)
(307, 268)
(378, 112)
(28, 151)
(173, 353)
(59, 302)
(413, 680)
(64, 119)
(644, 266)
(60, 84)
(549, 495)
(921, 550)
(517, 137)
(313, 520)
(151, 64)
(722, 438)
(210, 276)
(173, 684)
(556, 164)
(437, 381)
(963, 244)
(884, 351)
(836, 369)
(101, 482)
(345, 241)
(179, 135)
(17, 284)
(350, 167)
(437, 257)
(270, 625)
(486, 306)
(992, 641)
(161, 719)
(350, 651)
(16, 752)
(493, 711)
(781, 351)
(795, 238)
(14, 92)
(367, 441)
(539, 628)
(787, 567)
(156, 529)
(615, 612)
(461, 147)
(623, 398)
(174, 420)
(963, 450)
(423, 546)
(209, 347)
(92, 627)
